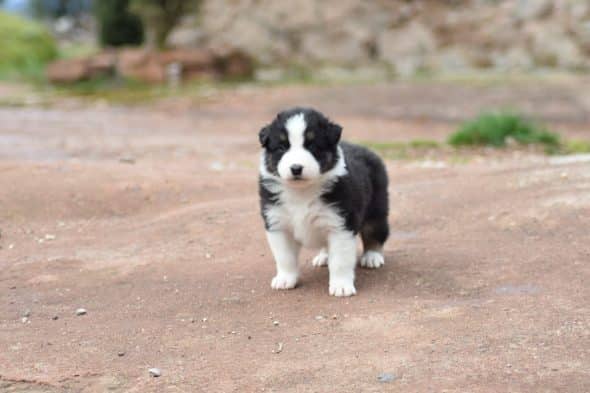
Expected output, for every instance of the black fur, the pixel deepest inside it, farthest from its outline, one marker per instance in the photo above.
(360, 196)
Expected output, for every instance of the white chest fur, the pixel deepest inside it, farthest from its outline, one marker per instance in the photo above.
(306, 216)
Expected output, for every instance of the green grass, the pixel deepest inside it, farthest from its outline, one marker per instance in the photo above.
(496, 129)
(25, 48)
(575, 147)
(402, 150)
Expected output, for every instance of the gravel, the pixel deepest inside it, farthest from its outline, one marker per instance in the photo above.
(386, 377)
(81, 311)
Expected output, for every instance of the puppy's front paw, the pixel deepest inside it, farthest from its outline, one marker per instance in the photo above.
(342, 288)
(372, 259)
(321, 259)
(284, 281)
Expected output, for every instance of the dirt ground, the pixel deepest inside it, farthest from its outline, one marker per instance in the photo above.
(147, 217)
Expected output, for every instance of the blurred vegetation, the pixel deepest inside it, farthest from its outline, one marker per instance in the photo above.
(25, 47)
(161, 16)
(118, 26)
(497, 129)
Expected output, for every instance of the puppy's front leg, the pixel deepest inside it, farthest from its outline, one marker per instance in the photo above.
(341, 262)
(285, 251)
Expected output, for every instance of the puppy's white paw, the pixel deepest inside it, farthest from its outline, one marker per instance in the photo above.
(321, 259)
(372, 259)
(284, 281)
(342, 288)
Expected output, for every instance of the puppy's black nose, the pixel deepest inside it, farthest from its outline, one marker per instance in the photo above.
(296, 169)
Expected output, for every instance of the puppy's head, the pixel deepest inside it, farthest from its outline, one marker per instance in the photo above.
(300, 145)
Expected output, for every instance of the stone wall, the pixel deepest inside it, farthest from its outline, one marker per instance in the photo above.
(406, 36)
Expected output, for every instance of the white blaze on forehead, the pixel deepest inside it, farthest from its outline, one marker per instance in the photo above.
(296, 127)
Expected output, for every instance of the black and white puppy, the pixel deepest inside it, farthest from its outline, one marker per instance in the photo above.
(318, 192)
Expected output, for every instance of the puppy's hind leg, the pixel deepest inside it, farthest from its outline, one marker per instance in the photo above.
(286, 252)
(374, 233)
(321, 259)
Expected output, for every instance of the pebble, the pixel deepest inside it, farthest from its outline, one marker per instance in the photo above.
(276, 323)
(155, 372)
(49, 237)
(279, 348)
(27, 313)
(24, 320)
(319, 317)
(81, 311)
(386, 377)
(127, 160)
(55, 318)
(121, 354)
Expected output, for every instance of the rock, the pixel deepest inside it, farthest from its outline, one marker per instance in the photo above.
(551, 46)
(68, 71)
(155, 372)
(533, 9)
(142, 65)
(27, 313)
(279, 348)
(514, 59)
(386, 377)
(120, 354)
(102, 64)
(407, 49)
(127, 160)
(275, 323)
(55, 318)
(235, 64)
(81, 311)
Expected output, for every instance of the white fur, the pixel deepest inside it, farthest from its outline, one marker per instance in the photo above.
(297, 153)
(372, 259)
(321, 259)
(285, 251)
(341, 262)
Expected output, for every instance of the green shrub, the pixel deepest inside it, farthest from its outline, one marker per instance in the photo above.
(25, 46)
(495, 129)
(118, 26)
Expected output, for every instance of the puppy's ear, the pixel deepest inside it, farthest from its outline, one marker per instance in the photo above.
(334, 132)
(263, 136)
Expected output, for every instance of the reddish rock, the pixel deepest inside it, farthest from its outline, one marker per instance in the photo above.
(141, 65)
(68, 71)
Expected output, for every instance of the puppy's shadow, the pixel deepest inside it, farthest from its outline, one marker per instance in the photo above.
(406, 273)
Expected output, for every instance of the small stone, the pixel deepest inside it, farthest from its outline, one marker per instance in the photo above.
(127, 160)
(120, 354)
(55, 318)
(208, 256)
(10, 246)
(334, 316)
(155, 372)
(279, 348)
(319, 317)
(49, 237)
(81, 311)
(24, 319)
(204, 319)
(27, 313)
(276, 323)
(386, 377)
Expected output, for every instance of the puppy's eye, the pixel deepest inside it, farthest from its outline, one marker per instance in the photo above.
(310, 135)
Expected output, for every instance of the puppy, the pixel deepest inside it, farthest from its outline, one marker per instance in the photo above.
(318, 192)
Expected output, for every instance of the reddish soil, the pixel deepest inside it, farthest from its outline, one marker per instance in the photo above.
(147, 217)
